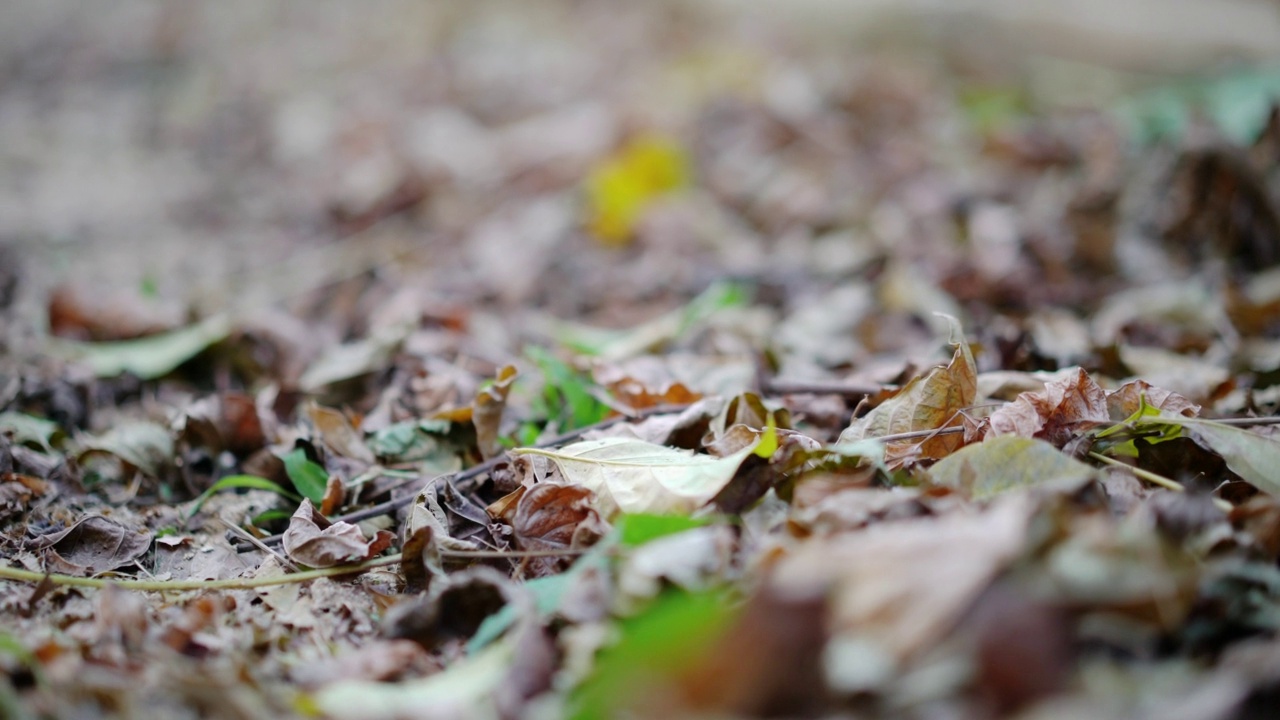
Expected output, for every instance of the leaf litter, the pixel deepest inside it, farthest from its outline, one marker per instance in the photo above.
(587, 360)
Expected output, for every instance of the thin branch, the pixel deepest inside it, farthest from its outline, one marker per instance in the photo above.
(8, 573)
(812, 387)
(20, 575)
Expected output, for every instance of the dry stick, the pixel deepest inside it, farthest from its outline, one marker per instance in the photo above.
(17, 574)
(804, 387)
(390, 506)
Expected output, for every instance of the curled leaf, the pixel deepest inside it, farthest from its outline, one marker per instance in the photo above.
(314, 541)
(929, 402)
(552, 516)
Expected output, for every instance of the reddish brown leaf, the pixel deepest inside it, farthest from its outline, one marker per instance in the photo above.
(1127, 399)
(551, 516)
(1065, 406)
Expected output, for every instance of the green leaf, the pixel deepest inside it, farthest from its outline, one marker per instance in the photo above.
(1008, 462)
(1254, 457)
(633, 476)
(566, 394)
(638, 529)
(671, 636)
(308, 478)
(269, 516)
(239, 481)
(150, 357)
(29, 430)
(411, 440)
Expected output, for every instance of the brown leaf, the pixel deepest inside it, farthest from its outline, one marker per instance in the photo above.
(338, 434)
(314, 541)
(551, 516)
(95, 544)
(1126, 400)
(487, 408)
(931, 401)
(334, 494)
(1066, 405)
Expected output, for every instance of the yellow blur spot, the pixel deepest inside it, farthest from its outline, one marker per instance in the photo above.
(621, 188)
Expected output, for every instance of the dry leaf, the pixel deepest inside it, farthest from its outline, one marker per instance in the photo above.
(931, 401)
(486, 410)
(1126, 400)
(1007, 463)
(1066, 405)
(551, 516)
(94, 544)
(633, 476)
(314, 541)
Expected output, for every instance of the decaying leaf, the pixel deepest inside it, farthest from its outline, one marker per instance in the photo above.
(338, 434)
(1128, 399)
(94, 544)
(633, 476)
(1067, 405)
(486, 410)
(550, 516)
(929, 402)
(1006, 463)
(144, 445)
(314, 541)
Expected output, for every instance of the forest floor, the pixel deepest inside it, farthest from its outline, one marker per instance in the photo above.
(590, 359)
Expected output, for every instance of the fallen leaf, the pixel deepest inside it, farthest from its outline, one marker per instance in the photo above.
(633, 476)
(487, 408)
(144, 445)
(1006, 463)
(897, 587)
(929, 402)
(150, 357)
(351, 360)
(1065, 406)
(338, 434)
(27, 430)
(551, 516)
(313, 541)
(1127, 399)
(95, 544)
(621, 188)
(1252, 456)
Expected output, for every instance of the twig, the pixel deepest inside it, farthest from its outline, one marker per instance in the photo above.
(8, 573)
(1155, 479)
(953, 430)
(807, 387)
(244, 535)
(20, 575)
